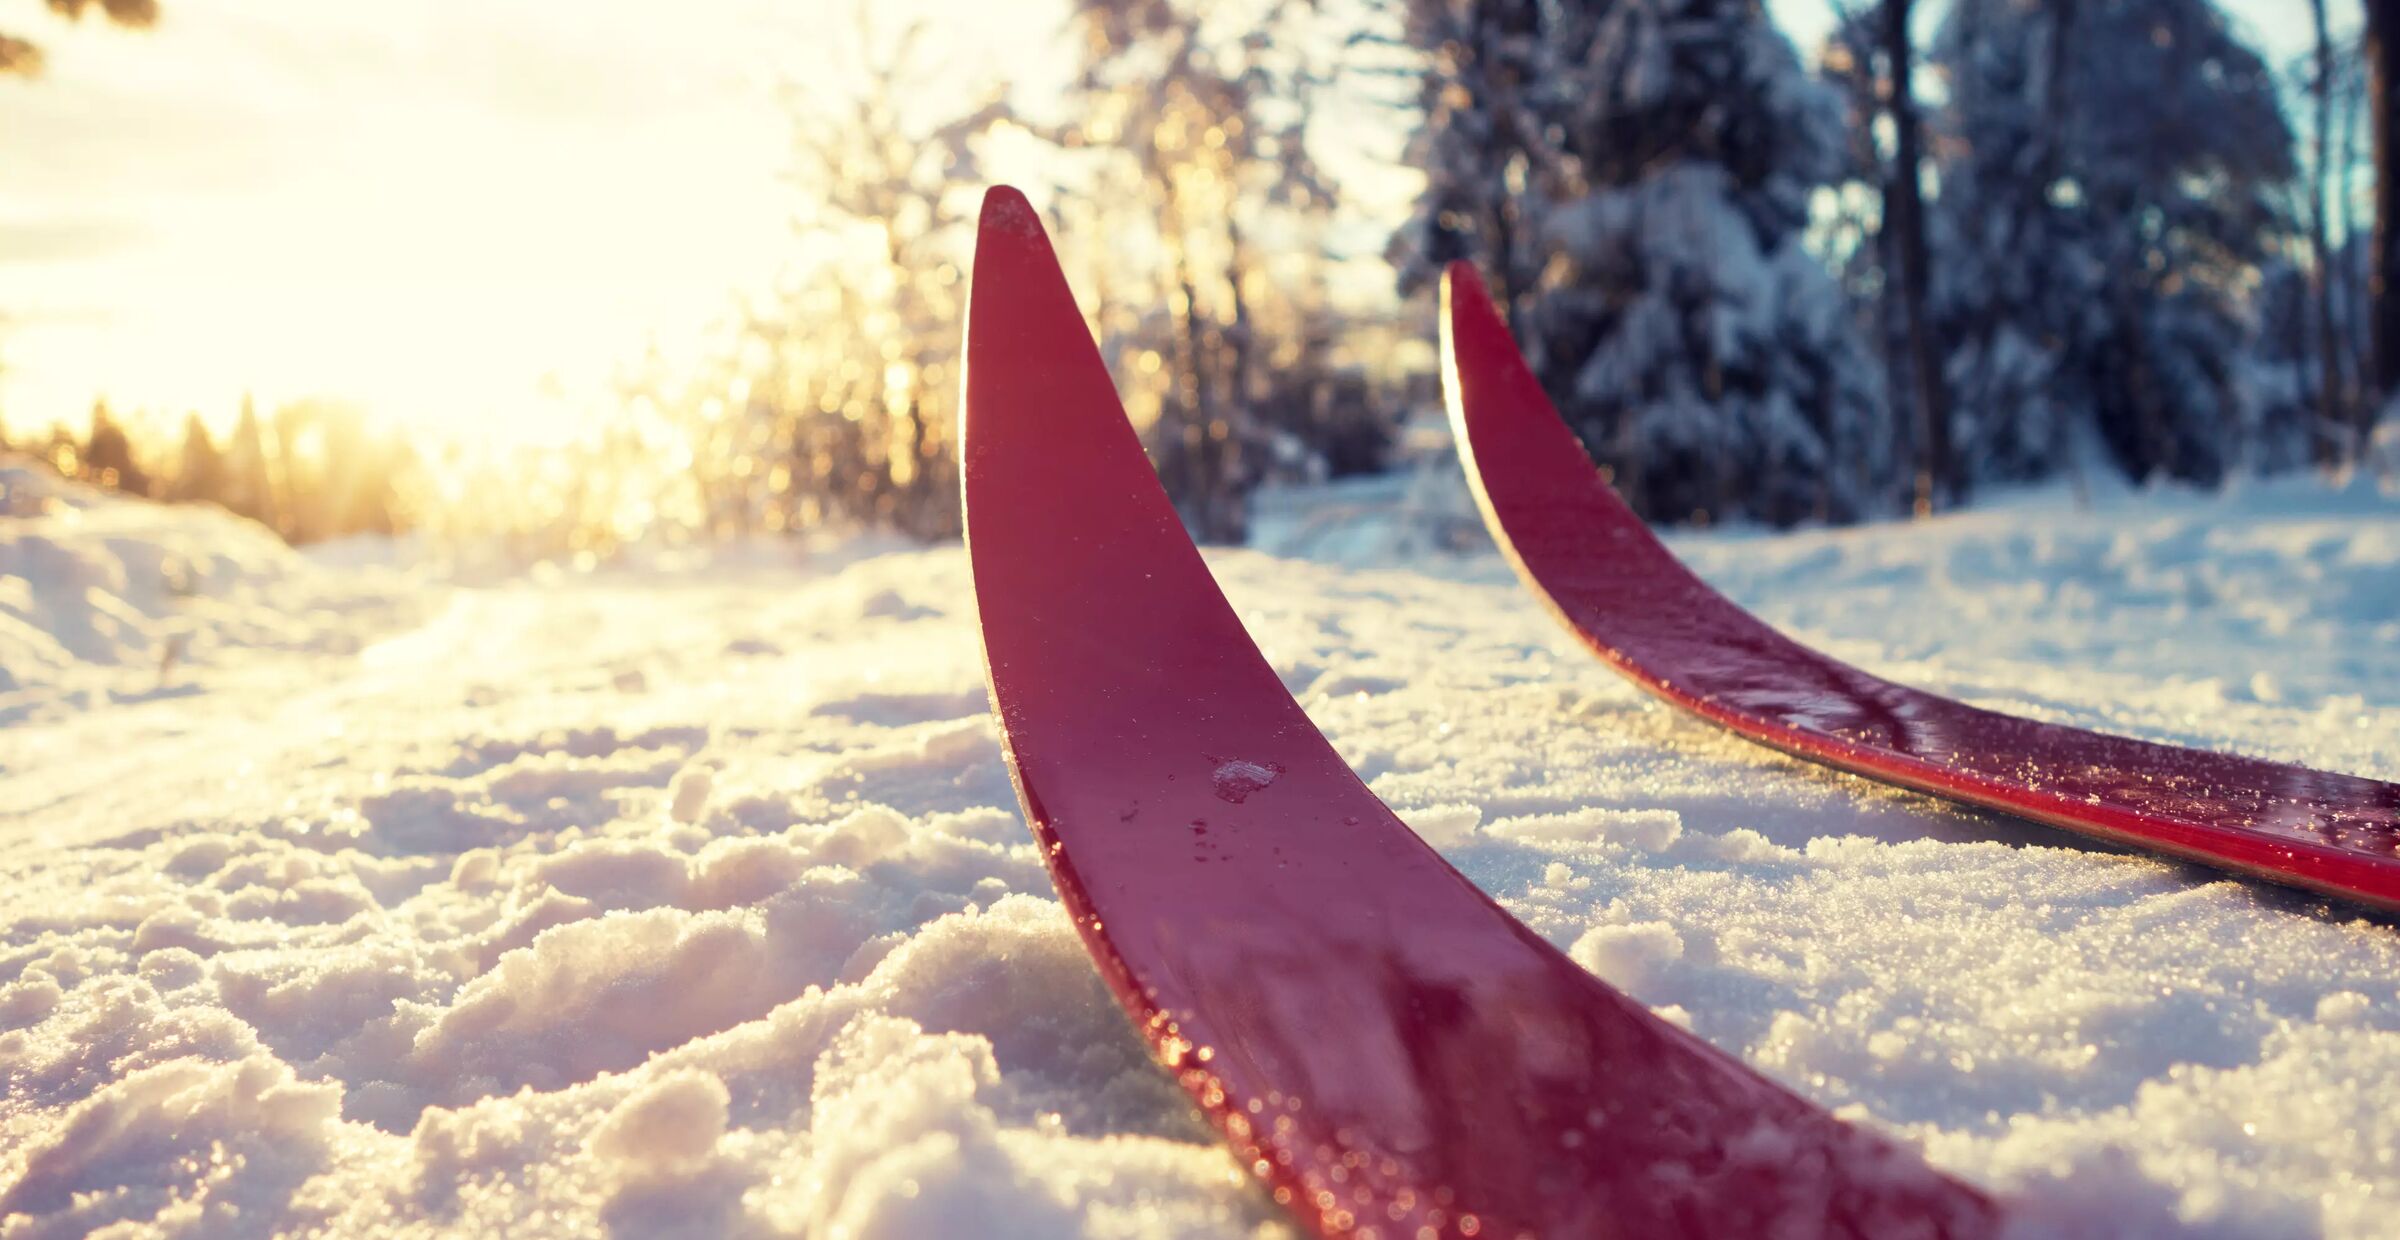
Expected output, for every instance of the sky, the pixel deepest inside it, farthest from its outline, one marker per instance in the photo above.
(459, 215)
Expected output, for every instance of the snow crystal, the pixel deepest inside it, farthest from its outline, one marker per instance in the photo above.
(1235, 780)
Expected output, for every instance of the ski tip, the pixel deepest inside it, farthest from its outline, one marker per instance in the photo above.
(1460, 272)
(1469, 349)
(1468, 318)
(1033, 377)
(1521, 458)
(1014, 292)
(1012, 246)
(1464, 293)
(1465, 298)
(1006, 211)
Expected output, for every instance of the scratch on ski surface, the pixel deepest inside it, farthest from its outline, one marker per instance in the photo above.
(755, 941)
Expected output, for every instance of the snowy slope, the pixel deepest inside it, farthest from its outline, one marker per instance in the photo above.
(692, 899)
(102, 599)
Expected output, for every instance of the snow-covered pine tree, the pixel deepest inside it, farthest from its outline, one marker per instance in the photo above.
(2108, 192)
(1642, 170)
(1485, 144)
(1713, 360)
(2013, 266)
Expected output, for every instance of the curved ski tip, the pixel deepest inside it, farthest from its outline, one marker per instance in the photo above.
(1006, 210)
(1464, 293)
(1458, 272)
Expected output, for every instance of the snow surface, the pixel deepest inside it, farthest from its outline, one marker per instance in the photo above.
(690, 898)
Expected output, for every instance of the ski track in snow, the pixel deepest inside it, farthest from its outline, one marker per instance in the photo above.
(693, 899)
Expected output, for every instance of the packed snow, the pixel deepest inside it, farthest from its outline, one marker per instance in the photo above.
(349, 894)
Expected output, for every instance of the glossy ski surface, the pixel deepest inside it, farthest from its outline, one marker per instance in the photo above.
(1612, 582)
(1387, 1048)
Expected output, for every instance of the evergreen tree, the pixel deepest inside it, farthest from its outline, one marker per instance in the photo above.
(200, 475)
(1666, 152)
(2110, 188)
(1485, 145)
(107, 455)
(249, 487)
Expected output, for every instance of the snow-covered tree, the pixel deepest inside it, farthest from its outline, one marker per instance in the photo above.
(1191, 136)
(2110, 183)
(1650, 163)
(1487, 147)
(835, 402)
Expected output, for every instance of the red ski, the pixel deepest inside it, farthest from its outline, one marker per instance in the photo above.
(1579, 547)
(1379, 1041)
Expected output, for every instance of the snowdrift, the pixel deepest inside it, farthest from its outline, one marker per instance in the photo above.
(104, 596)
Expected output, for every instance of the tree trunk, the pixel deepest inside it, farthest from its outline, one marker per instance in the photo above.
(2383, 270)
(2348, 298)
(2049, 158)
(1904, 214)
(1240, 339)
(2057, 62)
(2331, 420)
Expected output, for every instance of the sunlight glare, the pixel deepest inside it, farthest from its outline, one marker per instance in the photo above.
(465, 221)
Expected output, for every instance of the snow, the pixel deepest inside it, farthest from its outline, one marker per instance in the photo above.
(1236, 779)
(690, 896)
(107, 600)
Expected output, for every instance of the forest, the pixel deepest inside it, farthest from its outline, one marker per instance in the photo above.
(1955, 247)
